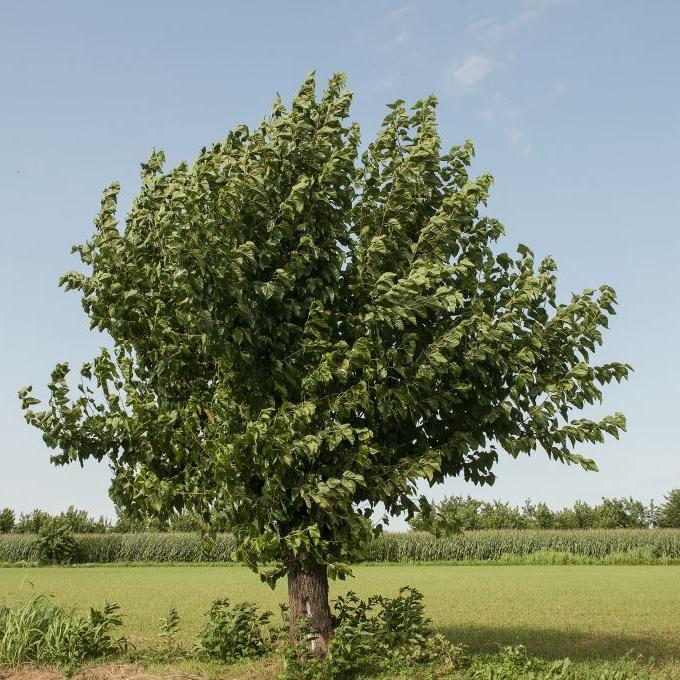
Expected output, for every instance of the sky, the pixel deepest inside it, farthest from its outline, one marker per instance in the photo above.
(574, 107)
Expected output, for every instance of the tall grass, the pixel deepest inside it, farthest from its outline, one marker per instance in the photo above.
(40, 632)
(542, 546)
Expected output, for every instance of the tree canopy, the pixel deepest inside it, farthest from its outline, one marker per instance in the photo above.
(668, 514)
(301, 330)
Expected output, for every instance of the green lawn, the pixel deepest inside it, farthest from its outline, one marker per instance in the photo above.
(590, 612)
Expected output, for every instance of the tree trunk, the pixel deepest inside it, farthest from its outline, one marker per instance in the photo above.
(308, 600)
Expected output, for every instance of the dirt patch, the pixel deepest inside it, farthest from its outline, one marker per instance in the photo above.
(103, 672)
(264, 670)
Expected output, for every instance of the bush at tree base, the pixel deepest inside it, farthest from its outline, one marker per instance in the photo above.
(234, 632)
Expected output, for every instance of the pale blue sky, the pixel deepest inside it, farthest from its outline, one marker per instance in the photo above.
(574, 106)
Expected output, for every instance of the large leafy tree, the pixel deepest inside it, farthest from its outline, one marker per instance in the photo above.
(301, 331)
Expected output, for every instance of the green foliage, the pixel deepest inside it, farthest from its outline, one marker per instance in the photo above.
(39, 632)
(668, 514)
(438, 657)
(612, 513)
(78, 522)
(372, 634)
(6, 520)
(55, 543)
(30, 523)
(300, 332)
(183, 522)
(169, 630)
(456, 514)
(514, 663)
(234, 632)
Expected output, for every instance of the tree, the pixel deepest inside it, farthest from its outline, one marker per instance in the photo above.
(30, 523)
(620, 513)
(300, 332)
(668, 513)
(451, 515)
(6, 520)
(542, 517)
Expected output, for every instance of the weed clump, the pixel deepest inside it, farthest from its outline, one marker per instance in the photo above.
(234, 632)
(39, 632)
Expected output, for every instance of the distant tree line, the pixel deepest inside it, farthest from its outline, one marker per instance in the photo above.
(449, 516)
(80, 522)
(455, 514)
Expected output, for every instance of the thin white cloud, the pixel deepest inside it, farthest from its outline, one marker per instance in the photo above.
(400, 11)
(542, 5)
(500, 109)
(492, 36)
(514, 135)
(394, 43)
(493, 30)
(472, 70)
(517, 138)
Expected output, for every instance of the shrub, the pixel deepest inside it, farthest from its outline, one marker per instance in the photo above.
(42, 633)
(513, 663)
(169, 629)
(56, 544)
(370, 635)
(234, 632)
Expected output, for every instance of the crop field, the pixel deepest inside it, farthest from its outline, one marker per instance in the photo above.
(608, 546)
(588, 613)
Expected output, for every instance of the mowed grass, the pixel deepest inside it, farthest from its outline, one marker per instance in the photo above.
(584, 612)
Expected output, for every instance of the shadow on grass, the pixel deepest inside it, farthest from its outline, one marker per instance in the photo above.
(550, 643)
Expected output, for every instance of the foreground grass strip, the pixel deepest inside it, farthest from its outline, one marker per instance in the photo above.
(483, 667)
(585, 613)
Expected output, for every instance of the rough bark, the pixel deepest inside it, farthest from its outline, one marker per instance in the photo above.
(308, 600)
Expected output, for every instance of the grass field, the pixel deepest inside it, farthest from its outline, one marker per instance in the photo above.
(586, 613)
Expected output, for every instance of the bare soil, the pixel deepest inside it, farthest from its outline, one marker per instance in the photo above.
(103, 672)
(121, 671)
